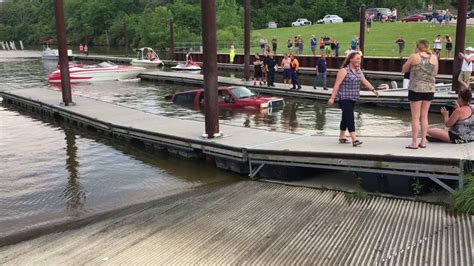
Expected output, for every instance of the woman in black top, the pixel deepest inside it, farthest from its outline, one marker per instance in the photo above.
(449, 46)
(257, 70)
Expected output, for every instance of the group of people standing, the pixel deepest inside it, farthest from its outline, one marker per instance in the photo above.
(423, 68)
(83, 49)
(326, 45)
(438, 45)
(266, 65)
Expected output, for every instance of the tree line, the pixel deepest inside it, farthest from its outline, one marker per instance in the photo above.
(100, 22)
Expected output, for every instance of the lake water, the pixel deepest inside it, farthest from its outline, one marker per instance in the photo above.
(51, 171)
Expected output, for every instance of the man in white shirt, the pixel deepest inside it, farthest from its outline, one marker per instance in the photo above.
(466, 69)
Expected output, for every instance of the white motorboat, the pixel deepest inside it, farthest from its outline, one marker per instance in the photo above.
(100, 72)
(191, 66)
(53, 54)
(146, 57)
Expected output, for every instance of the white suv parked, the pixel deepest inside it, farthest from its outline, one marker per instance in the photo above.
(328, 19)
(301, 22)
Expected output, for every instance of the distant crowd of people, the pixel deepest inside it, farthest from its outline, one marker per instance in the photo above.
(328, 46)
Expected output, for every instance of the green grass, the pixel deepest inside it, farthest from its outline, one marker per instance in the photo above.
(462, 200)
(379, 42)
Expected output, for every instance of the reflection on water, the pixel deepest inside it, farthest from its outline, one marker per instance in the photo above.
(73, 193)
(54, 172)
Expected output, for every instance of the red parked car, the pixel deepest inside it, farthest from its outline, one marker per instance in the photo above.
(414, 18)
(230, 98)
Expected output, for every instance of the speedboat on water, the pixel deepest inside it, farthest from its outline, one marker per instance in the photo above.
(100, 72)
(53, 54)
(146, 57)
(190, 66)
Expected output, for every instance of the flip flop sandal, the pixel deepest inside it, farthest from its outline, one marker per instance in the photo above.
(411, 148)
(421, 146)
(356, 143)
(343, 141)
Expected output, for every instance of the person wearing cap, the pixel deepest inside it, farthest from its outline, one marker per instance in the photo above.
(466, 68)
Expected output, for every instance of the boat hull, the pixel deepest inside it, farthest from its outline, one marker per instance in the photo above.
(147, 63)
(92, 75)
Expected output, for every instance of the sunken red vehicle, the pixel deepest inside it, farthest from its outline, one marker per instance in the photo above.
(230, 98)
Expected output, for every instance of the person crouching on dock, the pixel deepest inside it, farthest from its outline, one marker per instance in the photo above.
(460, 124)
(346, 92)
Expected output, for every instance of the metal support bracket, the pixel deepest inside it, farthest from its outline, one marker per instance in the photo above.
(253, 172)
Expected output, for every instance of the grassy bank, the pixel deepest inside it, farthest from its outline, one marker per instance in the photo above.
(379, 42)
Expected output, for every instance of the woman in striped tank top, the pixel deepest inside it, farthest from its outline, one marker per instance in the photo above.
(346, 92)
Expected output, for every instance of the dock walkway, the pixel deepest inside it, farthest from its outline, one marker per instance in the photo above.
(260, 223)
(248, 150)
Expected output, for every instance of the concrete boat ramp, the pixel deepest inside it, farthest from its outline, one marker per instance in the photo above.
(397, 98)
(251, 222)
(259, 223)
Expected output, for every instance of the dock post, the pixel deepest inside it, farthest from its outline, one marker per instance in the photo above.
(247, 40)
(62, 47)
(125, 35)
(171, 44)
(209, 32)
(460, 40)
(362, 29)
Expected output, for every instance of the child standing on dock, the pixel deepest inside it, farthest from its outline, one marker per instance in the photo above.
(346, 92)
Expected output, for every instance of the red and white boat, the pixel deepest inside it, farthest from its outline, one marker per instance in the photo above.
(100, 72)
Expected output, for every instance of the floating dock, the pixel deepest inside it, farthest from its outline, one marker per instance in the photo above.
(255, 152)
(397, 98)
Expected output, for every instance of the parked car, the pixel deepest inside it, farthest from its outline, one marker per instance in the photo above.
(272, 25)
(470, 14)
(414, 18)
(230, 98)
(301, 22)
(329, 19)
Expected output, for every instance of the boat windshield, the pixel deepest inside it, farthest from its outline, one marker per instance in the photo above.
(106, 64)
(242, 92)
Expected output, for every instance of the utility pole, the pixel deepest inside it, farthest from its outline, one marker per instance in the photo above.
(209, 32)
(460, 40)
(362, 29)
(247, 23)
(62, 48)
(171, 44)
(125, 35)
